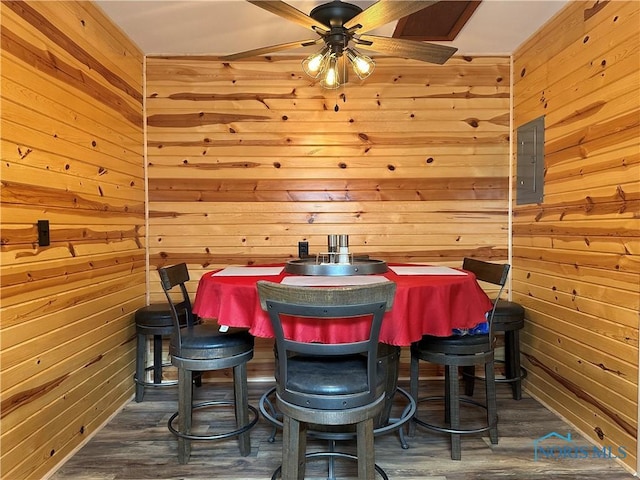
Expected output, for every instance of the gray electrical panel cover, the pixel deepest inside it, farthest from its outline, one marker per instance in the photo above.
(530, 171)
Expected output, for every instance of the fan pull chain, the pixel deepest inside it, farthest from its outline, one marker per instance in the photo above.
(336, 108)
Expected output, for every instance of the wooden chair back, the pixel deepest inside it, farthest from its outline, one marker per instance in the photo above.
(286, 303)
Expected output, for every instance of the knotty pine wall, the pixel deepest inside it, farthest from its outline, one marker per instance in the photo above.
(576, 256)
(246, 159)
(72, 153)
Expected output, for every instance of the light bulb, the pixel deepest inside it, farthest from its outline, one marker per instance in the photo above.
(331, 79)
(332, 76)
(314, 64)
(363, 66)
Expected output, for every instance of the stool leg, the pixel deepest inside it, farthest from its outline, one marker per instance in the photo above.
(294, 447)
(512, 358)
(492, 409)
(366, 455)
(469, 377)
(452, 400)
(141, 356)
(447, 393)
(413, 388)
(241, 395)
(157, 359)
(185, 405)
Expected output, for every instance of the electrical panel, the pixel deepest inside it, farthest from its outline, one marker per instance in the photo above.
(530, 164)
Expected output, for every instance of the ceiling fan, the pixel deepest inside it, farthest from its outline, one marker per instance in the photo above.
(341, 27)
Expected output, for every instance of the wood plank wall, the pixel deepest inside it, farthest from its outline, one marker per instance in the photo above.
(576, 256)
(246, 159)
(72, 153)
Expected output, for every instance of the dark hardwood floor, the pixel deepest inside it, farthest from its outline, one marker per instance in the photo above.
(137, 445)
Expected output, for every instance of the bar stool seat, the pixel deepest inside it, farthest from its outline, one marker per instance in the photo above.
(152, 321)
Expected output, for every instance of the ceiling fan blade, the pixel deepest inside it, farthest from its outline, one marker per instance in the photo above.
(290, 13)
(271, 49)
(426, 52)
(385, 11)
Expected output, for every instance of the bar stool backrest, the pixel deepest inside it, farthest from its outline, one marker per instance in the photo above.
(177, 276)
(282, 302)
(495, 273)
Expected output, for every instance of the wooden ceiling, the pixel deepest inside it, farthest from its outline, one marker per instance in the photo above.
(440, 21)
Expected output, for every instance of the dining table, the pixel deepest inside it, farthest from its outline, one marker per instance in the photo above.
(429, 300)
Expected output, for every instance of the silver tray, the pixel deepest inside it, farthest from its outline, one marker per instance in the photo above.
(356, 266)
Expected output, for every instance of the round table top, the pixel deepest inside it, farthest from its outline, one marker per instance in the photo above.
(425, 304)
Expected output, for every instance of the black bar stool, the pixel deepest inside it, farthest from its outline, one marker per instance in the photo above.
(197, 347)
(152, 321)
(464, 351)
(327, 385)
(508, 319)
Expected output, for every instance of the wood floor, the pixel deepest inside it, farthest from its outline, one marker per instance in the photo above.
(137, 445)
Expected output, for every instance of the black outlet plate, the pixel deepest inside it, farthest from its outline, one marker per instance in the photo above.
(303, 249)
(43, 233)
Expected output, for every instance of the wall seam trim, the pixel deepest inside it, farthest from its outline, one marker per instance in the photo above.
(147, 262)
(511, 161)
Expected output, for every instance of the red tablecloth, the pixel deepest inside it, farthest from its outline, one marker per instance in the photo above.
(423, 305)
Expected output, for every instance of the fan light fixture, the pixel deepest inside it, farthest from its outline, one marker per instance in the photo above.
(324, 65)
(340, 26)
(330, 63)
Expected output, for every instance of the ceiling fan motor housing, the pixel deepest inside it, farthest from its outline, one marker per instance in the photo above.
(335, 14)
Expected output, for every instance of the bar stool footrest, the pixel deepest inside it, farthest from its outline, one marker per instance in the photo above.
(330, 455)
(163, 383)
(522, 376)
(219, 436)
(269, 412)
(501, 379)
(449, 430)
